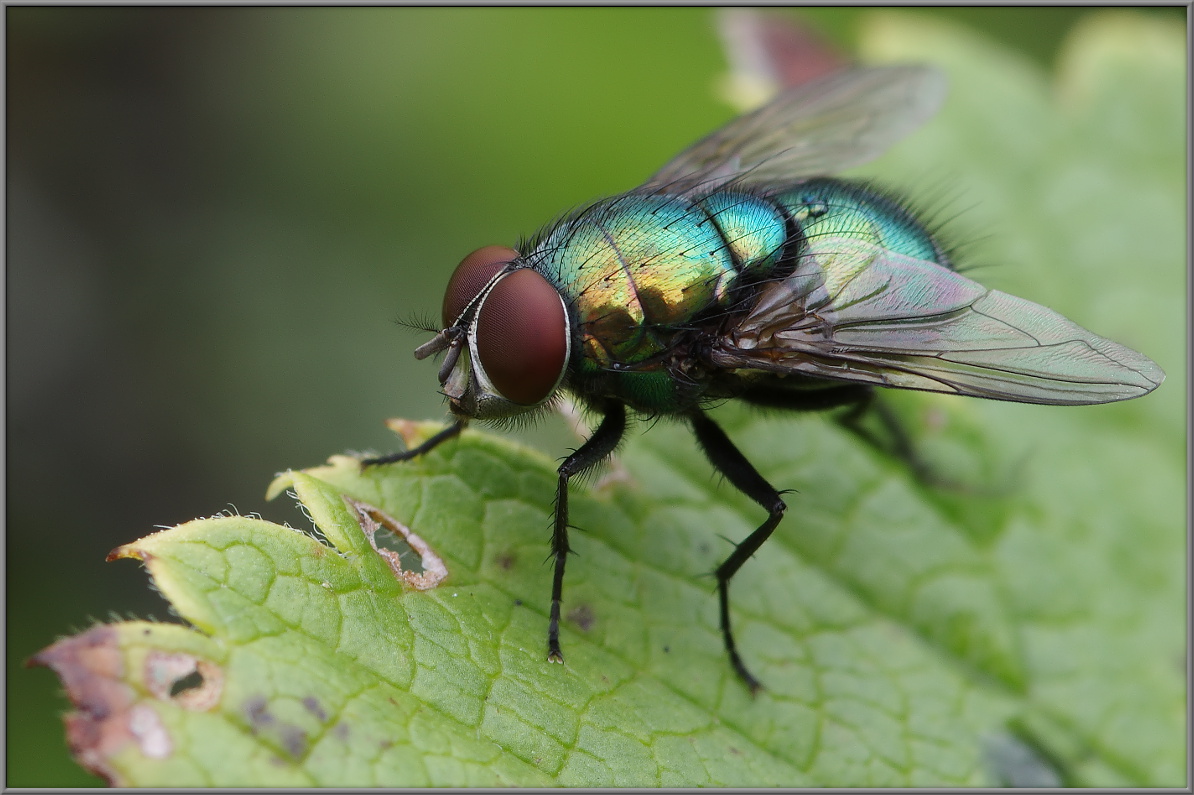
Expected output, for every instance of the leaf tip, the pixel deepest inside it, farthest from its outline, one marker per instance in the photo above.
(91, 667)
(128, 551)
(118, 680)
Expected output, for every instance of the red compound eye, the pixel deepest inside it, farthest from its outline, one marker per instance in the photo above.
(522, 337)
(471, 275)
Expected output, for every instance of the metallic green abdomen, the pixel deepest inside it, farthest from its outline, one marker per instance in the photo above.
(830, 210)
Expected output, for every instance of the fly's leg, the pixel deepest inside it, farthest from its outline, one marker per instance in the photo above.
(451, 432)
(898, 442)
(727, 460)
(861, 400)
(616, 472)
(599, 445)
(857, 396)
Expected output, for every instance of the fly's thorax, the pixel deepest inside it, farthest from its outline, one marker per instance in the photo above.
(508, 337)
(754, 229)
(638, 267)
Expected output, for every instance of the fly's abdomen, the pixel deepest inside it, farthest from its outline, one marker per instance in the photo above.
(832, 212)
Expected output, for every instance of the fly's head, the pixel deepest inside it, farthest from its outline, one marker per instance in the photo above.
(506, 335)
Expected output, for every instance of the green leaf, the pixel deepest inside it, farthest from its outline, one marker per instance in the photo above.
(1032, 633)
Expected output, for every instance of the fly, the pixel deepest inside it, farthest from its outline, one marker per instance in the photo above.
(742, 270)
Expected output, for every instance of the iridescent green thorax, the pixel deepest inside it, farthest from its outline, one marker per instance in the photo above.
(640, 265)
(635, 267)
(638, 268)
(752, 228)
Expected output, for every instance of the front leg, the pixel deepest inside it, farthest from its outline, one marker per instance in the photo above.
(451, 432)
(599, 445)
(727, 460)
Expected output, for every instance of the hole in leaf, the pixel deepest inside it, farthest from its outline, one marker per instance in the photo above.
(188, 682)
(387, 539)
(378, 526)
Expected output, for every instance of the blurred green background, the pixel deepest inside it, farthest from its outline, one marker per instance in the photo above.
(215, 215)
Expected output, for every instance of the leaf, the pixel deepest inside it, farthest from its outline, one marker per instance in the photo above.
(1031, 634)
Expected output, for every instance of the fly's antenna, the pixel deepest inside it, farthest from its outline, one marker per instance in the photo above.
(419, 321)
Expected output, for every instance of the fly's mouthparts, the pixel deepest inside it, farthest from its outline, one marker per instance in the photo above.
(445, 369)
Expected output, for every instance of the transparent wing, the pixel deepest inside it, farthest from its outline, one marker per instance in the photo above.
(815, 129)
(870, 315)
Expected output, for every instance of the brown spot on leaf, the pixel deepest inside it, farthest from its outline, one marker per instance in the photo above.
(188, 681)
(291, 738)
(258, 714)
(505, 560)
(294, 741)
(583, 617)
(311, 704)
(374, 519)
(106, 718)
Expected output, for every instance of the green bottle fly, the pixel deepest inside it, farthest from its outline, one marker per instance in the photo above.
(743, 270)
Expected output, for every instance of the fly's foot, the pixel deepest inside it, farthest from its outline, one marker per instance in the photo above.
(748, 679)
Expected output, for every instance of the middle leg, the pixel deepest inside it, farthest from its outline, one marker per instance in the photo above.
(729, 461)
